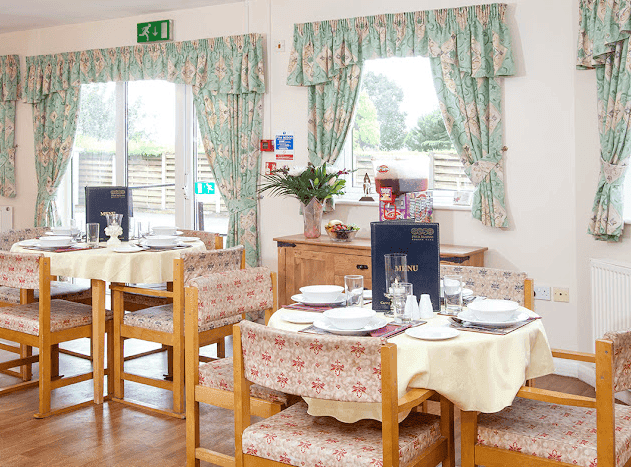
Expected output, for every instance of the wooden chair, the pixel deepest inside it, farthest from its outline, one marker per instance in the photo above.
(495, 283)
(164, 324)
(213, 383)
(549, 428)
(341, 368)
(43, 324)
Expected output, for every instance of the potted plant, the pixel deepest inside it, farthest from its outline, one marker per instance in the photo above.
(311, 185)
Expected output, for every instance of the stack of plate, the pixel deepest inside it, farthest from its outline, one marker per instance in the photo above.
(160, 241)
(55, 241)
(493, 312)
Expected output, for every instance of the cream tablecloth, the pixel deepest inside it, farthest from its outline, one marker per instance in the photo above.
(107, 265)
(475, 371)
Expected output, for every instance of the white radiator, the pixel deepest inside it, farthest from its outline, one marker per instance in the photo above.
(611, 296)
(6, 218)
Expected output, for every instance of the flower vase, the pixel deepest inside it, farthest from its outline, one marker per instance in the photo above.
(312, 217)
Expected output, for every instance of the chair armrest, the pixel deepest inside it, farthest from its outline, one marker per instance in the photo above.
(571, 355)
(413, 398)
(555, 397)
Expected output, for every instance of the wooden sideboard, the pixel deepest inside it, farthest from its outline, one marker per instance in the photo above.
(309, 261)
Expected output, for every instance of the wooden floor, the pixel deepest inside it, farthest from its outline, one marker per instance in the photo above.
(115, 435)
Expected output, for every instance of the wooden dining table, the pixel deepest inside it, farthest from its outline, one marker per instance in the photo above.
(102, 265)
(476, 371)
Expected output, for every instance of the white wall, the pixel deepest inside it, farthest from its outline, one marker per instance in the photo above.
(549, 128)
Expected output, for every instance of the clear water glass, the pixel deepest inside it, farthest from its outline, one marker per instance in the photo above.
(401, 291)
(452, 291)
(92, 234)
(354, 287)
(396, 265)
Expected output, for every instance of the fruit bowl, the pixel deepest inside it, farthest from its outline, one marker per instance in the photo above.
(340, 232)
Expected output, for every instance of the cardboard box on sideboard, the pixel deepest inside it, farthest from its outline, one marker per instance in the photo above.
(417, 205)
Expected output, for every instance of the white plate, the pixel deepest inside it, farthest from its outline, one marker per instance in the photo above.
(128, 249)
(470, 316)
(467, 293)
(376, 323)
(432, 333)
(300, 317)
(177, 232)
(188, 239)
(492, 305)
(301, 299)
(31, 242)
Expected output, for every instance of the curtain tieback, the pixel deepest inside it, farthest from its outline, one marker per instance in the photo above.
(479, 170)
(242, 204)
(613, 172)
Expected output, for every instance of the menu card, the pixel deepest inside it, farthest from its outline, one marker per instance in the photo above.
(420, 242)
(101, 200)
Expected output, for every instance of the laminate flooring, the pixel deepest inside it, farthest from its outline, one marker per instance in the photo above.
(113, 434)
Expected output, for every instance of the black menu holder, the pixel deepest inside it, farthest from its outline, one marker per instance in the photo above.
(101, 200)
(420, 241)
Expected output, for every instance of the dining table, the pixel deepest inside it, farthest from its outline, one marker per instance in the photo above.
(477, 371)
(110, 264)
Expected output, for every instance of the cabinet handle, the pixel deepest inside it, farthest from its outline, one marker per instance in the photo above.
(362, 266)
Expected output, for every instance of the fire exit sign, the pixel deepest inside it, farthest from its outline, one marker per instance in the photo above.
(155, 31)
(205, 188)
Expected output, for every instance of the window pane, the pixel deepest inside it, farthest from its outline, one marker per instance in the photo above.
(93, 156)
(151, 150)
(215, 217)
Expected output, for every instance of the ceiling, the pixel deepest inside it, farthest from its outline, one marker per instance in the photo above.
(22, 15)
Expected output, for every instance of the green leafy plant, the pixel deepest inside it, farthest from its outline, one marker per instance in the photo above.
(305, 183)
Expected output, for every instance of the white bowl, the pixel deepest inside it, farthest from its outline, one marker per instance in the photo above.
(53, 241)
(164, 230)
(321, 293)
(494, 310)
(353, 317)
(61, 230)
(160, 240)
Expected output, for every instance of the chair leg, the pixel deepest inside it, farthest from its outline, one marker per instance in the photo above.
(221, 348)
(54, 372)
(192, 427)
(447, 430)
(109, 329)
(169, 374)
(45, 376)
(26, 370)
(468, 435)
(178, 376)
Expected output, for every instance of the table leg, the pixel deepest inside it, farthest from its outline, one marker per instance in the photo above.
(98, 337)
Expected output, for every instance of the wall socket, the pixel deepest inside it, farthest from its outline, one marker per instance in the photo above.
(542, 292)
(561, 294)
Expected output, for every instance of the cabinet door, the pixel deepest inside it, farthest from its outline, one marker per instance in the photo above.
(353, 264)
(307, 268)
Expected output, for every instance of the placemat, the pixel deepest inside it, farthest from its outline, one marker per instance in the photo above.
(457, 323)
(302, 306)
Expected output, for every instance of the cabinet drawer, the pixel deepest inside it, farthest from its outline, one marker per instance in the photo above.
(352, 264)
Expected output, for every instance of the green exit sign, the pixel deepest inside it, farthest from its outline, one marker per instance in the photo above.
(155, 31)
(205, 188)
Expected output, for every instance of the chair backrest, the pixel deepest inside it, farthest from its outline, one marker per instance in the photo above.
(204, 263)
(494, 283)
(337, 368)
(8, 238)
(213, 241)
(226, 294)
(20, 270)
(621, 369)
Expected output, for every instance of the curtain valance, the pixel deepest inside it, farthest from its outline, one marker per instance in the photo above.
(10, 86)
(231, 65)
(475, 38)
(601, 24)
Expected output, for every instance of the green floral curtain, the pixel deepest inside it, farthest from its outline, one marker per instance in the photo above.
(231, 125)
(470, 42)
(603, 44)
(229, 66)
(10, 92)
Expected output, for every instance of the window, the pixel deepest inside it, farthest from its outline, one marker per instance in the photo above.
(127, 134)
(397, 116)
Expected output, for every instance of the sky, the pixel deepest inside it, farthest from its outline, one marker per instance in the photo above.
(414, 76)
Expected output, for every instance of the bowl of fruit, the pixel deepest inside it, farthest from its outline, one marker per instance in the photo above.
(340, 232)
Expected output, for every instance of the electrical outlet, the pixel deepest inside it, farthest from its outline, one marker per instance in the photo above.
(561, 294)
(542, 292)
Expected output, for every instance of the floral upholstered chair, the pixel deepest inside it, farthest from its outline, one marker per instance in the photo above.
(41, 324)
(164, 324)
(213, 382)
(138, 301)
(495, 283)
(336, 368)
(545, 428)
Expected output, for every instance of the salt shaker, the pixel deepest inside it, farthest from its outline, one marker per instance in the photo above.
(411, 308)
(425, 306)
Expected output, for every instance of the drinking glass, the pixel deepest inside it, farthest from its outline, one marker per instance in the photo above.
(114, 219)
(396, 272)
(143, 228)
(452, 291)
(354, 285)
(92, 234)
(400, 294)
